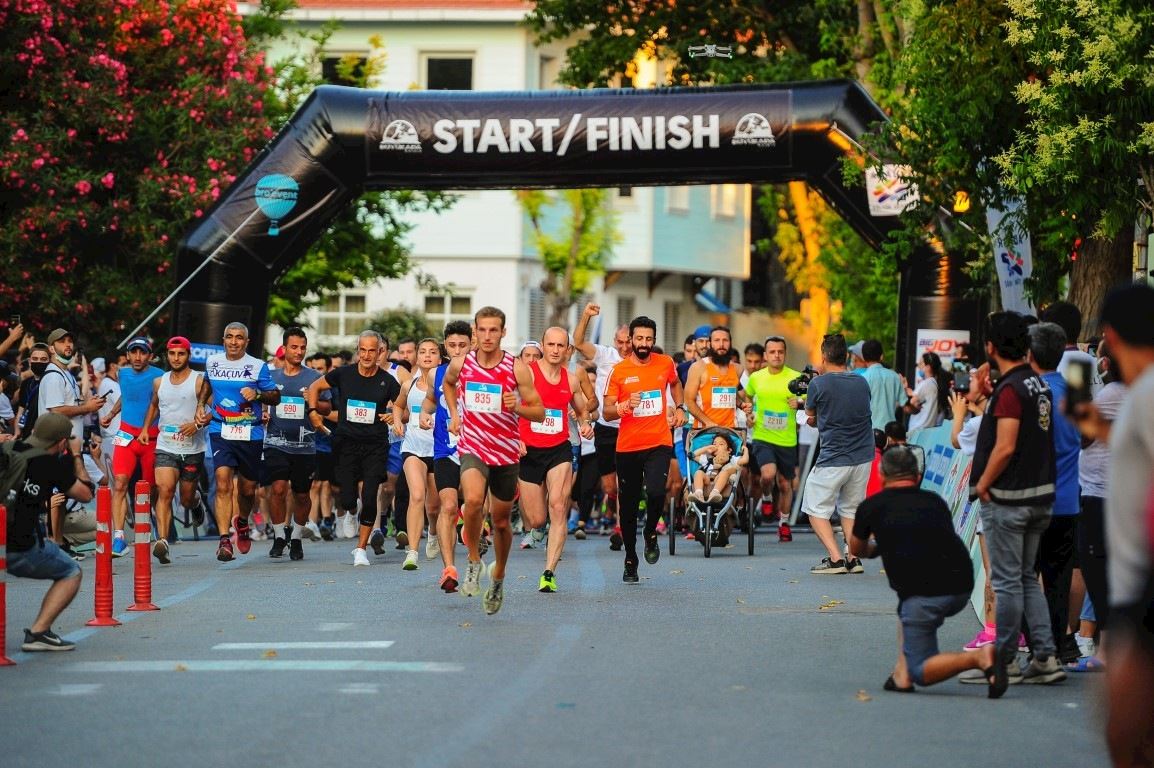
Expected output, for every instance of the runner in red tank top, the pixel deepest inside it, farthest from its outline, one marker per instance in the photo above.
(484, 381)
(546, 455)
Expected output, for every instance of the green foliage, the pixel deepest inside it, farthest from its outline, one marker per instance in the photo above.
(397, 324)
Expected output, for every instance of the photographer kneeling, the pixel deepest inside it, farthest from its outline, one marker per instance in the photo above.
(928, 566)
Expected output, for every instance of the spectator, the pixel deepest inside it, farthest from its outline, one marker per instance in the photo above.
(59, 389)
(108, 389)
(9, 382)
(929, 402)
(28, 396)
(1013, 475)
(886, 388)
(1069, 318)
(856, 361)
(15, 336)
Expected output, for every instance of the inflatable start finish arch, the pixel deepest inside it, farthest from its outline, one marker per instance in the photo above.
(343, 141)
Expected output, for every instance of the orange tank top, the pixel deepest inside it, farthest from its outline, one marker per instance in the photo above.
(718, 394)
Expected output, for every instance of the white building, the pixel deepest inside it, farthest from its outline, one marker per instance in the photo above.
(675, 241)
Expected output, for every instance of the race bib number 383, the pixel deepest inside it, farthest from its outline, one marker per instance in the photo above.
(360, 411)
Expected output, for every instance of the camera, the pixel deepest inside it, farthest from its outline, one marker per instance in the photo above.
(800, 385)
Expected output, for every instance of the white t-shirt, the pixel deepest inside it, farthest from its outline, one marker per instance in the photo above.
(1131, 457)
(1094, 463)
(6, 411)
(968, 437)
(58, 387)
(605, 358)
(930, 415)
(112, 389)
(1071, 355)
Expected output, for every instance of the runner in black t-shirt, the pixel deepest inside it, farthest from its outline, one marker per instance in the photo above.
(928, 566)
(363, 402)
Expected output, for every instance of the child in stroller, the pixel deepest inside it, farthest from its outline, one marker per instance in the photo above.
(718, 463)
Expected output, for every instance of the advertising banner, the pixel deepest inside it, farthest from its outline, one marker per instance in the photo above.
(944, 343)
(889, 193)
(1013, 257)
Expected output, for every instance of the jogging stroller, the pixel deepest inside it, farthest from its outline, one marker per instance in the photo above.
(712, 523)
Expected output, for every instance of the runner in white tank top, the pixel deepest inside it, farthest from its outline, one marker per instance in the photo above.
(417, 455)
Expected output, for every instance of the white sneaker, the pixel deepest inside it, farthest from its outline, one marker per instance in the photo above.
(527, 540)
(359, 557)
(698, 495)
(352, 526)
(471, 586)
(715, 496)
(410, 560)
(311, 531)
(432, 548)
(538, 535)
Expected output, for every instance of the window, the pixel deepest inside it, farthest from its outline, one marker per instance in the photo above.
(625, 191)
(625, 308)
(449, 72)
(724, 200)
(440, 308)
(677, 199)
(345, 314)
(670, 323)
(547, 72)
(343, 70)
(538, 313)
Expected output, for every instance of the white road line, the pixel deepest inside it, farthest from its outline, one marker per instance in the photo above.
(76, 689)
(335, 645)
(259, 665)
(361, 689)
(334, 626)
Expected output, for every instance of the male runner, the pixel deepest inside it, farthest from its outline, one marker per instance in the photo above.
(446, 460)
(417, 455)
(289, 445)
(242, 387)
(394, 493)
(489, 381)
(774, 444)
(712, 391)
(546, 454)
(636, 394)
(529, 353)
(364, 399)
(180, 398)
(605, 430)
(135, 394)
(321, 493)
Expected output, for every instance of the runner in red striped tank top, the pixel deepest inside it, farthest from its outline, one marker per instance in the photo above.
(484, 381)
(546, 455)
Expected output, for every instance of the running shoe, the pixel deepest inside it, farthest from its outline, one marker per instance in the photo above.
(1043, 671)
(67, 549)
(449, 580)
(118, 546)
(784, 533)
(410, 563)
(243, 535)
(432, 548)
(690, 537)
(377, 542)
(538, 535)
(359, 557)
(853, 565)
(352, 526)
(402, 540)
(224, 550)
(829, 566)
(278, 546)
(547, 582)
(661, 529)
(527, 540)
(494, 596)
(616, 541)
(652, 550)
(986, 636)
(310, 531)
(580, 534)
(630, 574)
(606, 526)
(160, 551)
(326, 529)
(45, 641)
(572, 527)
(766, 510)
(296, 550)
(472, 584)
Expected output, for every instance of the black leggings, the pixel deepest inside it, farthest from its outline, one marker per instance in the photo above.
(639, 471)
(1092, 556)
(586, 486)
(1055, 563)
(365, 463)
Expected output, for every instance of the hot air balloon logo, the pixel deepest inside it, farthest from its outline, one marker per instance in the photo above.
(276, 196)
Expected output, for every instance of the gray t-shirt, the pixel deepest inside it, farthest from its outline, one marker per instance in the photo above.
(58, 387)
(1094, 463)
(1131, 457)
(289, 430)
(841, 402)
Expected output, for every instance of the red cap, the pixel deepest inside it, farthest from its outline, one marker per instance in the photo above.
(280, 353)
(179, 342)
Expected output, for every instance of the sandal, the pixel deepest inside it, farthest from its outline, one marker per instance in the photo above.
(890, 685)
(998, 680)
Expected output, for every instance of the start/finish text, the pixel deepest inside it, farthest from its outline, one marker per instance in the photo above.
(476, 136)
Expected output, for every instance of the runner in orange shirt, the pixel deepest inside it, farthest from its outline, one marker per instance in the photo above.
(713, 390)
(636, 393)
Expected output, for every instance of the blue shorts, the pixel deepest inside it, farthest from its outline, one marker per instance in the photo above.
(48, 562)
(921, 616)
(682, 459)
(396, 463)
(242, 455)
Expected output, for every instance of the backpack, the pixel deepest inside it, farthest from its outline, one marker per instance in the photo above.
(14, 467)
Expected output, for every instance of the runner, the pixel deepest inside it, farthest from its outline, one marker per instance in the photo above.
(180, 398)
(774, 444)
(136, 385)
(446, 461)
(242, 386)
(712, 391)
(546, 473)
(417, 455)
(530, 352)
(321, 493)
(394, 492)
(605, 430)
(363, 400)
(489, 381)
(290, 446)
(636, 393)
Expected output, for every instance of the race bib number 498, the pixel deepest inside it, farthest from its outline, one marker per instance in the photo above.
(553, 424)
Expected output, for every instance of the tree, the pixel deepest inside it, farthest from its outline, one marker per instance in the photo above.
(572, 258)
(397, 324)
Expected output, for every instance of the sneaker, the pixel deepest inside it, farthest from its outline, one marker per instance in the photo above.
(45, 641)
(402, 540)
(630, 574)
(652, 550)
(160, 551)
(243, 535)
(326, 530)
(410, 563)
(472, 584)
(494, 595)
(310, 531)
(278, 545)
(527, 540)
(606, 527)
(118, 546)
(616, 541)
(580, 533)
(853, 565)
(1043, 671)
(224, 550)
(784, 533)
(432, 548)
(661, 528)
(360, 557)
(449, 580)
(829, 566)
(538, 536)
(698, 495)
(715, 496)
(352, 526)
(985, 637)
(296, 550)
(377, 542)
(79, 557)
(547, 582)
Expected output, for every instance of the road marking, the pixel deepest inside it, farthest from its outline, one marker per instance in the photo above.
(370, 689)
(335, 626)
(76, 689)
(335, 645)
(260, 665)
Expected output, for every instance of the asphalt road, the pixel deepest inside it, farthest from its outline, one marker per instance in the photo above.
(731, 661)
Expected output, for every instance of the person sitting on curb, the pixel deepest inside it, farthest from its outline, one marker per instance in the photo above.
(928, 566)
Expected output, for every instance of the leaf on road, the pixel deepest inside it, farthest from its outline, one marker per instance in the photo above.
(740, 601)
(863, 696)
(792, 581)
(269, 654)
(251, 616)
(830, 604)
(465, 624)
(181, 668)
(676, 572)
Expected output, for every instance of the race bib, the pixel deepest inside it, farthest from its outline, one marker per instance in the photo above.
(482, 398)
(360, 412)
(652, 403)
(554, 423)
(172, 434)
(724, 397)
(236, 431)
(772, 421)
(291, 408)
(122, 439)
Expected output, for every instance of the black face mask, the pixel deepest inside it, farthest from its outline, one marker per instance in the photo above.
(38, 369)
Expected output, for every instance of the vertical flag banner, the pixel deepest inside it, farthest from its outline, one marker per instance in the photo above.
(1012, 256)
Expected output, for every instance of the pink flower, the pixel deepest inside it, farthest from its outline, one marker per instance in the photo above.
(38, 163)
(83, 187)
(108, 180)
